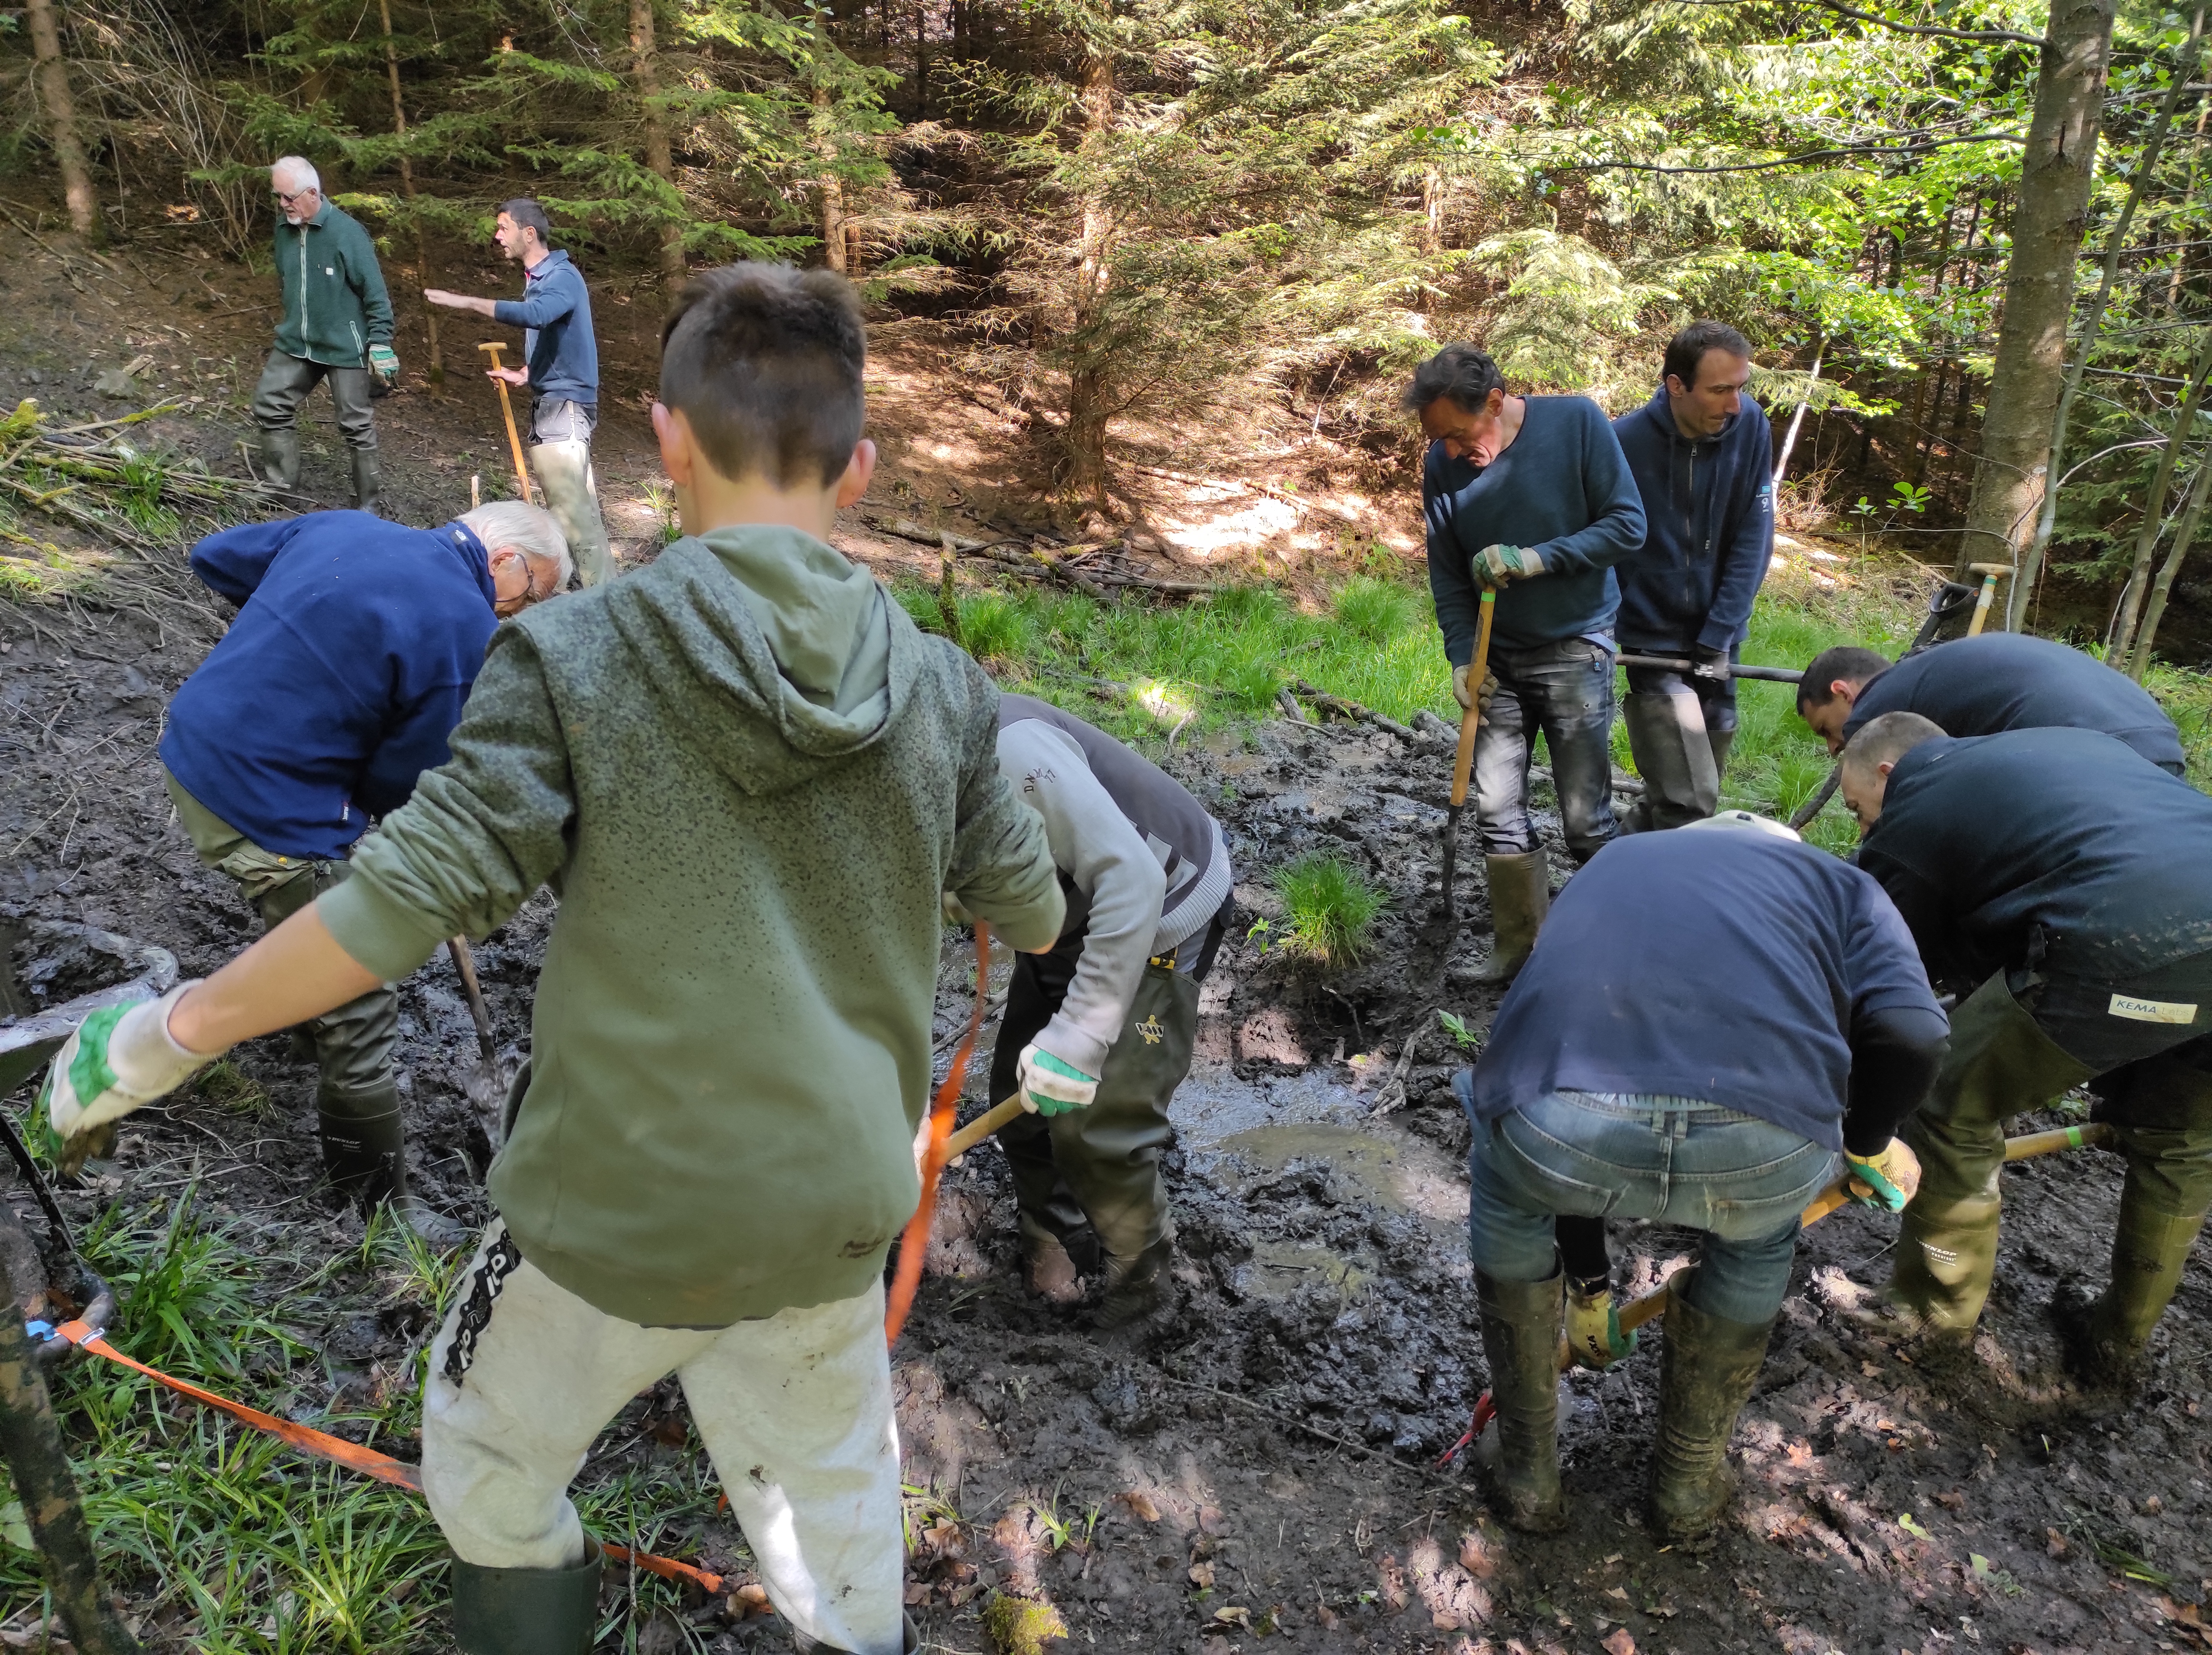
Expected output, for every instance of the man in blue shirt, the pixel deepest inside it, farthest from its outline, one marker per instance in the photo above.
(1718, 1099)
(356, 645)
(1530, 495)
(1702, 458)
(562, 373)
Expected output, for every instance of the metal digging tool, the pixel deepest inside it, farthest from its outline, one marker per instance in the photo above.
(507, 407)
(486, 1087)
(1470, 722)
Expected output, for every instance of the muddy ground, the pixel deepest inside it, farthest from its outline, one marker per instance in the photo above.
(1255, 1471)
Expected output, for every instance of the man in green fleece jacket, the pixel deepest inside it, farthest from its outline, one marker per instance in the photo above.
(749, 777)
(337, 325)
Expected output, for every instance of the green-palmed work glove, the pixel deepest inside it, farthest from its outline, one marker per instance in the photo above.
(120, 1058)
(384, 362)
(1594, 1335)
(1496, 565)
(1049, 1087)
(1887, 1179)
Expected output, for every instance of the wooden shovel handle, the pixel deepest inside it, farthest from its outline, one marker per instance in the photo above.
(507, 407)
(982, 1126)
(1471, 721)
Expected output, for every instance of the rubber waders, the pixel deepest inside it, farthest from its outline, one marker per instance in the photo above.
(1947, 1256)
(1137, 1288)
(1519, 897)
(364, 1154)
(1048, 1267)
(1674, 750)
(2107, 1337)
(1707, 1368)
(564, 474)
(367, 482)
(527, 1611)
(280, 456)
(1521, 1323)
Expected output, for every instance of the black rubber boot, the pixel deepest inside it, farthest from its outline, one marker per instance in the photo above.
(1706, 1376)
(1519, 897)
(280, 456)
(1521, 1333)
(527, 1611)
(1137, 1288)
(364, 1154)
(368, 482)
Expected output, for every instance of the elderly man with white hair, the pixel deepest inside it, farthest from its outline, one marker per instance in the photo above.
(1710, 1018)
(337, 325)
(356, 645)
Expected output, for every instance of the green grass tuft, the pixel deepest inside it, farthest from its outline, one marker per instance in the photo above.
(1329, 907)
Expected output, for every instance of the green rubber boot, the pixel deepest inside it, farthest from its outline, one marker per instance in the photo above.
(527, 1611)
(1706, 1371)
(1523, 1323)
(364, 1154)
(280, 456)
(1520, 897)
(2107, 1336)
(1946, 1254)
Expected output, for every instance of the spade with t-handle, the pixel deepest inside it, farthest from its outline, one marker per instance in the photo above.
(507, 407)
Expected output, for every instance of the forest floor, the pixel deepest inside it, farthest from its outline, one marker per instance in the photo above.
(1323, 1352)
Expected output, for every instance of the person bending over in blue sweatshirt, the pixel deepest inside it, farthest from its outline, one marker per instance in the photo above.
(1703, 458)
(1530, 495)
(355, 648)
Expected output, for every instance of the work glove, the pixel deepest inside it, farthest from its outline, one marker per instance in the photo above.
(1048, 1087)
(120, 1058)
(1594, 1335)
(954, 911)
(1708, 664)
(384, 362)
(1483, 693)
(1887, 1179)
(1496, 565)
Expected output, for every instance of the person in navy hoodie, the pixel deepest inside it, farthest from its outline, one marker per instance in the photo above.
(354, 650)
(1702, 456)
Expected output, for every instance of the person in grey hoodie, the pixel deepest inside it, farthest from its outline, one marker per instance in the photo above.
(750, 778)
(1098, 1031)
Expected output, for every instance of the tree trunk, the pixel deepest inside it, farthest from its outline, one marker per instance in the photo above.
(658, 159)
(2047, 239)
(2184, 532)
(1087, 390)
(2146, 159)
(2188, 198)
(832, 204)
(52, 76)
(32, 1438)
(2124, 628)
(437, 374)
(1797, 420)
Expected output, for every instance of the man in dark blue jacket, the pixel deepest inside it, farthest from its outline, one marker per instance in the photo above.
(355, 647)
(1702, 457)
(554, 312)
(1529, 495)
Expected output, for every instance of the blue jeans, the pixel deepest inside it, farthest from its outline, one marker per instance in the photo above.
(1565, 689)
(1742, 1181)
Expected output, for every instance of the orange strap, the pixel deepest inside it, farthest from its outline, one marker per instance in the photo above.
(915, 1242)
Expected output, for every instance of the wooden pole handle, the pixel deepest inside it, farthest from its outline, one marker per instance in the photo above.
(1470, 721)
(982, 1126)
(506, 407)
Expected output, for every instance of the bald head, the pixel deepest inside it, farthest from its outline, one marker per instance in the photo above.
(1873, 754)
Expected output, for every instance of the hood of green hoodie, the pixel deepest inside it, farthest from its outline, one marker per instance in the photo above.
(777, 655)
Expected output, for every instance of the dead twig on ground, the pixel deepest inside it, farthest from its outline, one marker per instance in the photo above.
(1352, 710)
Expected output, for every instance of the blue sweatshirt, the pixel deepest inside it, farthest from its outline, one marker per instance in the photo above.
(1708, 528)
(1561, 489)
(556, 312)
(355, 647)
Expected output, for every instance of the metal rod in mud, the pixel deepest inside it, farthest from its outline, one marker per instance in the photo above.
(1470, 722)
(1668, 664)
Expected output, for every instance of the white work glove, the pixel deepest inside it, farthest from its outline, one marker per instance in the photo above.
(1460, 692)
(1496, 565)
(1047, 1086)
(120, 1058)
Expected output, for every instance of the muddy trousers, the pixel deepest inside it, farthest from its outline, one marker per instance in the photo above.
(1680, 730)
(1563, 691)
(2003, 1059)
(795, 1410)
(560, 454)
(1099, 1166)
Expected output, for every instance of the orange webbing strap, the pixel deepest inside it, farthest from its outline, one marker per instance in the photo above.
(915, 1242)
(666, 1568)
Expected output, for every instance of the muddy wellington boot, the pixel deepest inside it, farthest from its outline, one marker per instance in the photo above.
(280, 456)
(1706, 1371)
(1048, 1270)
(1519, 897)
(364, 1154)
(1137, 1288)
(2106, 1336)
(527, 1611)
(1521, 1325)
(368, 482)
(1947, 1256)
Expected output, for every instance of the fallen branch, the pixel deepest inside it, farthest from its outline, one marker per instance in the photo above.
(1352, 710)
(1392, 1092)
(1267, 488)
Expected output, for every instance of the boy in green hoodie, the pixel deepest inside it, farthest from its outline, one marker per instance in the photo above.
(749, 777)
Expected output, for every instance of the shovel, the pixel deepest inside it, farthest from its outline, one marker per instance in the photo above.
(513, 440)
(1463, 761)
(486, 1086)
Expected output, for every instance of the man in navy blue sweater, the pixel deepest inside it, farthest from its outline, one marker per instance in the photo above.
(1702, 458)
(1529, 495)
(356, 645)
(554, 312)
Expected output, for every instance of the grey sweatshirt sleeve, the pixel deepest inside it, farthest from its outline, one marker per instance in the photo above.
(1108, 861)
(1002, 867)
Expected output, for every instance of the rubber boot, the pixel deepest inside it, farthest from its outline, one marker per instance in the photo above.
(280, 456)
(1667, 738)
(1706, 1371)
(1048, 1268)
(1137, 1288)
(564, 473)
(527, 1611)
(1521, 1325)
(1723, 741)
(364, 1154)
(1519, 897)
(368, 482)
(1946, 1255)
(2106, 1337)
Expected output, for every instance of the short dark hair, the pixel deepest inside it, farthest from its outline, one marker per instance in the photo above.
(765, 362)
(1849, 662)
(1688, 349)
(1461, 373)
(1889, 738)
(529, 216)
